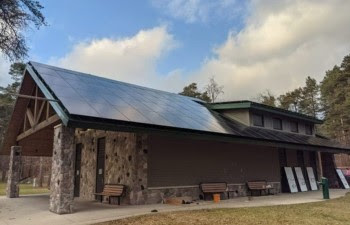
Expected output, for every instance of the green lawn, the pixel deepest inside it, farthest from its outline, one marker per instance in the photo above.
(334, 211)
(24, 189)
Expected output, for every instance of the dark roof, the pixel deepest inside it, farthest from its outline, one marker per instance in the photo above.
(245, 104)
(94, 102)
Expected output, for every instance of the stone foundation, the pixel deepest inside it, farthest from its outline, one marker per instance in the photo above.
(14, 173)
(62, 180)
(158, 195)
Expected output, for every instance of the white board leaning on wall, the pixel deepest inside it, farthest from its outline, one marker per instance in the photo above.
(291, 180)
(312, 179)
(301, 179)
(342, 179)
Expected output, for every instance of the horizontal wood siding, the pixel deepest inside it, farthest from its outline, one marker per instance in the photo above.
(178, 162)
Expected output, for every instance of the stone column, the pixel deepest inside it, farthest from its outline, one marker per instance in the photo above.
(14, 173)
(62, 174)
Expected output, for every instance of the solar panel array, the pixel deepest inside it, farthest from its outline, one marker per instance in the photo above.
(86, 95)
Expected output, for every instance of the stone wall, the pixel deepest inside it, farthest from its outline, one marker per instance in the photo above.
(30, 168)
(159, 195)
(125, 163)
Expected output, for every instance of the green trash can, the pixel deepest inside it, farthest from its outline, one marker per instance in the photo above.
(325, 187)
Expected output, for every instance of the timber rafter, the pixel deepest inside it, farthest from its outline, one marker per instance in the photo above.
(38, 114)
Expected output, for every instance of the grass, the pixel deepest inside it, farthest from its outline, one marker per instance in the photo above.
(24, 189)
(334, 211)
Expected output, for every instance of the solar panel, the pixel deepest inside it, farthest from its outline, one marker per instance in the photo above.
(86, 95)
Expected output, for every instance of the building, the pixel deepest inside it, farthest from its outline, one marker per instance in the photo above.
(158, 144)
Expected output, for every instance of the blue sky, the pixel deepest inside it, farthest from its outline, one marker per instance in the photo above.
(247, 46)
(74, 21)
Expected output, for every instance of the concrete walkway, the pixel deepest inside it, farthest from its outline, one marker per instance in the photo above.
(33, 210)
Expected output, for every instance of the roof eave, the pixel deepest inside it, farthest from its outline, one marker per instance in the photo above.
(98, 123)
(48, 94)
(252, 105)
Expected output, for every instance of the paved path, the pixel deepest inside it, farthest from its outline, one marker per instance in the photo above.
(33, 210)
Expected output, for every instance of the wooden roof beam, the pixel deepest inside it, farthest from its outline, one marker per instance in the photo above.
(39, 126)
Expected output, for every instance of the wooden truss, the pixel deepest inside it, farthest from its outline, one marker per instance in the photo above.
(38, 115)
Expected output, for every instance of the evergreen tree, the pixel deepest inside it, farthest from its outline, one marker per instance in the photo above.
(310, 98)
(192, 91)
(7, 99)
(291, 100)
(15, 17)
(267, 98)
(335, 92)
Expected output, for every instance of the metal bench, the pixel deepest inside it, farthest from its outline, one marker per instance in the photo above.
(112, 190)
(213, 188)
(259, 186)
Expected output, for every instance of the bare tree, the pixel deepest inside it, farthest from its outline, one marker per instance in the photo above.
(214, 89)
(15, 17)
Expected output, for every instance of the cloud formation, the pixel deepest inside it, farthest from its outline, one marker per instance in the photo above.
(281, 43)
(132, 59)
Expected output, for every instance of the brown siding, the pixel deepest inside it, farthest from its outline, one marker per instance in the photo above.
(292, 159)
(178, 162)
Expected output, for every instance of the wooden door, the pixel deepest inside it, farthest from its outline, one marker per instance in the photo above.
(77, 170)
(100, 167)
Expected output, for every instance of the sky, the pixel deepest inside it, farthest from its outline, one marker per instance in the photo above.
(247, 46)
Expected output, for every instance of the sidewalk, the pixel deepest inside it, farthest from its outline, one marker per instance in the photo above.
(33, 210)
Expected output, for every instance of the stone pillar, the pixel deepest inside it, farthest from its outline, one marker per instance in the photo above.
(62, 174)
(14, 173)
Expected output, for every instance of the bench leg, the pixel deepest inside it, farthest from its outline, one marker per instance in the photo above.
(119, 200)
(109, 199)
(101, 198)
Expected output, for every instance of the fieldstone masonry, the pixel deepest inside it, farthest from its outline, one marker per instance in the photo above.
(125, 163)
(62, 179)
(14, 174)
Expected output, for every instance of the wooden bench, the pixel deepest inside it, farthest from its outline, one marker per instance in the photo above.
(213, 188)
(259, 186)
(112, 190)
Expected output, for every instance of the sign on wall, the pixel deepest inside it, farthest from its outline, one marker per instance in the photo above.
(291, 180)
(342, 178)
(312, 179)
(301, 179)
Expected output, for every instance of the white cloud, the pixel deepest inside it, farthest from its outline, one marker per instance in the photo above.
(281, 43)
(192, 11)
(131, 59)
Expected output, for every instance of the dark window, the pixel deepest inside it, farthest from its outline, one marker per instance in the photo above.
(277, 123)
(258, 120)
(308, 129)
(294, 126)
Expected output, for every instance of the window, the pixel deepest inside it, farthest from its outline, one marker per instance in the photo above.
(258, 120)
(277, 123)
(294, 126)
(308, 129)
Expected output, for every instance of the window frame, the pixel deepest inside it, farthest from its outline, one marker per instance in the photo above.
(262, 119)
(297, 126)
(274, 119)
(310, 130)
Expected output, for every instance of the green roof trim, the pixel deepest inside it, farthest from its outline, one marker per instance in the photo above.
(258, 106)
(48, 94)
